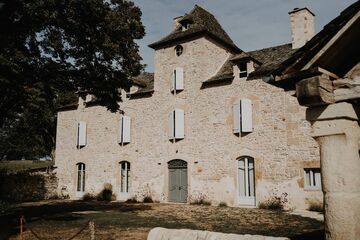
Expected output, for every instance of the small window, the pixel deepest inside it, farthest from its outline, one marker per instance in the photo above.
(242, 116)
(312, 178)
(80, 177)
(178, 50)
(125, 177)
(125, 130)
(81, 134)
(243, 70)
(185, 26)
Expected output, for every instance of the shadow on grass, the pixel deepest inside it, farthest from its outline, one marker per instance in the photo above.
(59, 211)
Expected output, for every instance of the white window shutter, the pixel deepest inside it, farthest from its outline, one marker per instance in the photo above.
(179, 123)
(81, 134)
(126, 130)
(236, 117)
(121, 130)
(179, 79)
(173, 80)
(246, 115)
(171, 125)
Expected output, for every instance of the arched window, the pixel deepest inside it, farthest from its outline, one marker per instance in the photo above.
(125, 177)
(246, 174)
(179, 50)
(80, 177)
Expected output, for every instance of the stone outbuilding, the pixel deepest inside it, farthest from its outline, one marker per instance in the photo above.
(206, 125)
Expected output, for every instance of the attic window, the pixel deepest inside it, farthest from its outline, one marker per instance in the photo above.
(243, 70)
(185, 26)
(178, 50)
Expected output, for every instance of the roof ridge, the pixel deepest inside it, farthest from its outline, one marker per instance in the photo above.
(266, 48)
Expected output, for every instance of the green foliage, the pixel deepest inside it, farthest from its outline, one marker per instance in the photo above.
(316, 206)
(223, 204)
(49, 50)
(148, 199)
(88, 197)
(106, 194)
(132, 200)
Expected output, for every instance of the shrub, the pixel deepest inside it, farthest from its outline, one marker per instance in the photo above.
(148, 199)
(88, 197)
(106, 194)
(222, 204)
(132, 200)
(316, 206)
(274, 202)
(201, 201)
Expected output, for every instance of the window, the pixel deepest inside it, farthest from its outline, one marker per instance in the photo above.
(242, 116)
(176, 124)
(177, 80)
(185, 26)
(81, 134)
(246, 174)
(312, 178)
(243, 70)
(125, 177)
(179, 50)
(125, 130)
(80, 177)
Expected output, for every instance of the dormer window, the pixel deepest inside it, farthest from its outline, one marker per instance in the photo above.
(185, 26)
(243, 70)
(178, 50)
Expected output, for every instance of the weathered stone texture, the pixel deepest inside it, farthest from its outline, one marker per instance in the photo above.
(280, 142)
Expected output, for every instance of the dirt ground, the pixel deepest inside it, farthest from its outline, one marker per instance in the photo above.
(62, 219)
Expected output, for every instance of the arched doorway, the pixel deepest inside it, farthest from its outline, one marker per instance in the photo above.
(246, 175)
(178, 181)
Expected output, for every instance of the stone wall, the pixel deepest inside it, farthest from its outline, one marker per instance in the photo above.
(280, 142)
(28, 186)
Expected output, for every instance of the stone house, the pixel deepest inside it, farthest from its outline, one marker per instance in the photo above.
(205, 125)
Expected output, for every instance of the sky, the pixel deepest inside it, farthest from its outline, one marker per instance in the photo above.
(251, 24)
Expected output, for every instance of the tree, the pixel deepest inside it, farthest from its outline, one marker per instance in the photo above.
(52, 48)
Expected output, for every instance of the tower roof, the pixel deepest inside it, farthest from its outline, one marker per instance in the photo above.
(203, 23)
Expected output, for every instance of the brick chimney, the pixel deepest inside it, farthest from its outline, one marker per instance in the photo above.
(302, 22)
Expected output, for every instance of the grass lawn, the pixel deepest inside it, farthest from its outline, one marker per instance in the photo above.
(61, 219)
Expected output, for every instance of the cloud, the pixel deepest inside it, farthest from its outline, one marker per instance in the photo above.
(251, 24)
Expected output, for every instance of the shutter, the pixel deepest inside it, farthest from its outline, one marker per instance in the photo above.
(126, 130)
(179, 123)
(173, 81)
(317, 179)
(236, 117)
(81, 138)
(179, 83)
(246, 115)
(121, 130)
(171, 125)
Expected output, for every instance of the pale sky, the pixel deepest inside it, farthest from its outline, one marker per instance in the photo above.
(251, 24)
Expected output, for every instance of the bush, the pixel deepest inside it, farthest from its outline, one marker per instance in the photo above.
(88, 197)
(106, 194)
(316, 206)
(222, 204)
(148, 199)
(201, 201)
(274, 202)
(132, 200)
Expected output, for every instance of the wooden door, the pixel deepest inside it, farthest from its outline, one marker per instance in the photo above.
(178, 187)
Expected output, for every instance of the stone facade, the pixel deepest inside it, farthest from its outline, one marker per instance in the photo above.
(280, 143)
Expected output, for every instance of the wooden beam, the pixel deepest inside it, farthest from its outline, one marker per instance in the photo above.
(315, 91)
(346, 89)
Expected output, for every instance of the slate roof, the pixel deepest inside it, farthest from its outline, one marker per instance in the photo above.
(267, 59)
(202, 23)
(304, 54)
(145, 82)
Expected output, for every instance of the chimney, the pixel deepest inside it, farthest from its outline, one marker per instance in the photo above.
(176, 22)
(302, 22)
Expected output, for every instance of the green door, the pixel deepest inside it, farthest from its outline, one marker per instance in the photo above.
(177, 181)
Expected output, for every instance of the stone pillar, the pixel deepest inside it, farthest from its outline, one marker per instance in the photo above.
(336, 129)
